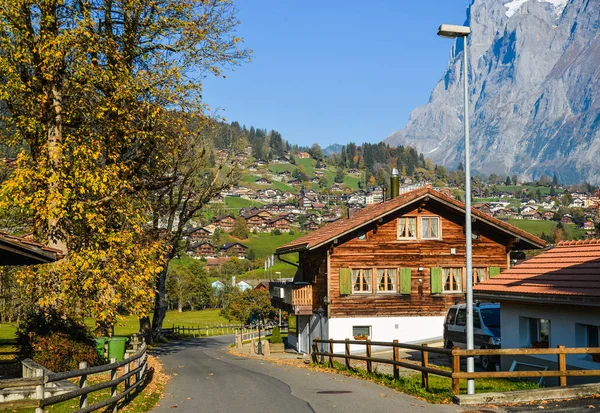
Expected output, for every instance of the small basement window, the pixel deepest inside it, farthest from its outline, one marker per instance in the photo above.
(361, 332)
(361, 235)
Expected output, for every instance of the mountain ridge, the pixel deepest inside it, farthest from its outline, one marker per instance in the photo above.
(534, 100)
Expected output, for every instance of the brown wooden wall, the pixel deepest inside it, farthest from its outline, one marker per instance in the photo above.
(382, 249)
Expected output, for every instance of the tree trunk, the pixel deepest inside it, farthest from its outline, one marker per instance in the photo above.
(160, 302)
(146, 328)
(55, 157)
(180, 306)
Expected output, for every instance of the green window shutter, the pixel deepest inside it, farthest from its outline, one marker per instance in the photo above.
(405, 275)
(436, 280)
(493, 271)
(345, 281)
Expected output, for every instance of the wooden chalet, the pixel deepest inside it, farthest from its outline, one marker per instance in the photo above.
(280, 223)
(256, 222)
(233, 249)
(392, 269)
(23, 251)
(203, 250)
(199, 235)
(225, 222)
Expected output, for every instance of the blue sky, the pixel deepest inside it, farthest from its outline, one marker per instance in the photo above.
(335, 71)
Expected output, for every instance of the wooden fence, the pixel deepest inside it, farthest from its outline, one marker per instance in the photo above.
(137, 372)
(455, 354)
(215, 330)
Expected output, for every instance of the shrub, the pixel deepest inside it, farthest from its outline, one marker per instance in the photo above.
(56, 342)
(276, 232)
(276, 336)
(291, 232)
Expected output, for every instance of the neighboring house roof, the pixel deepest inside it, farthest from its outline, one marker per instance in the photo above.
(228, 245)
(375, 211)
(20, 251)
(570, 272)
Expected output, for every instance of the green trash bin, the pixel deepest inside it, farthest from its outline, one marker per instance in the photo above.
(116, 347)
(100, 343)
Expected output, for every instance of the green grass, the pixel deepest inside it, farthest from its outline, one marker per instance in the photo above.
(351, 181)
(284, 187)
(286, 270)
(262, 244)
(544, 190)
(236, 202)
(275, 168)
(534, 227)
(440, 388)
(308, 164)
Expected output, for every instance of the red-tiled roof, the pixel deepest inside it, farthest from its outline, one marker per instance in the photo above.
(572, 268)
(373, 212)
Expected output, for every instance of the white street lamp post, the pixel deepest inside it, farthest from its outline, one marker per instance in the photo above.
(452, 32)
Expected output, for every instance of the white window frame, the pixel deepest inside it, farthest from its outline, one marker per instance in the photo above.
(484, 274)
(533, 328)
(450, 272)
(387, 276)
(439, 227)
(402, 236)
(361, 275)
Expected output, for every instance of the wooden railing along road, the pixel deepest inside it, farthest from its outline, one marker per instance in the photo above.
(132, 367)
(455, 354)
(202, 331)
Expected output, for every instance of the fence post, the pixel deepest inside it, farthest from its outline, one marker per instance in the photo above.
(396, 358)
(127, 381)
(562, 365)
(113, 390)
(347, 353)
(369, 363)
(83, 384)
(331, 352)
(40, 389)
(425, 363)
(206, 331)
(455, 369)
(315, 349)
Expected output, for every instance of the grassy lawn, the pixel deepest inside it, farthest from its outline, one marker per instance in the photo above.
(544, 190)
(351, 181)
(284, 187)
(572, 231)
(275, 168)
(534, 227)
(263, 245)
(440, 388)
(236, 202)
(286, 270)
(308, 164)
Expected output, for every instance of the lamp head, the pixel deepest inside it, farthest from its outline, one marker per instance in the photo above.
(451, 31)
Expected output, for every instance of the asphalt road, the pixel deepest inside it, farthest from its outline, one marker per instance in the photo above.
(207, 378)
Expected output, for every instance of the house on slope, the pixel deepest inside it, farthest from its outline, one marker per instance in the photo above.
(392, 269)
(22, 251)
(551, 299)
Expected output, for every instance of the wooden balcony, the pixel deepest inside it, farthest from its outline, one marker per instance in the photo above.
(297, 297)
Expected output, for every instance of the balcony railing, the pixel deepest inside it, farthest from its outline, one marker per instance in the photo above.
(298, 296)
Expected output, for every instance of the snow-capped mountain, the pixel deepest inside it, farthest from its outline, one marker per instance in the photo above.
(534, 91)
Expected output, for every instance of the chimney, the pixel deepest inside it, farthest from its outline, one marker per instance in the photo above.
(395, 181)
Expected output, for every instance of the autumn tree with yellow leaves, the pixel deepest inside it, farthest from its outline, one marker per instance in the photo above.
(87, 93)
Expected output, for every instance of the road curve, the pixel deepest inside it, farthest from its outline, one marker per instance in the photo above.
(207, 378)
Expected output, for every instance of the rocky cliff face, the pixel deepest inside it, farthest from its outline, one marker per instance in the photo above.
(534, 91)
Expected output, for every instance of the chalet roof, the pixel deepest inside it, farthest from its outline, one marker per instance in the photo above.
(228, 245)
(222, 217)
(199, 229)
(373, 212)
(570, 272)
(21, 251)
(199, 244)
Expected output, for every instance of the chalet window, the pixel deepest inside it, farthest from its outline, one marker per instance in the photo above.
(535, 332)
(588, 336)
(478, 275)
(430, 228)
(361, 280)
(451, 279)
(407, 228)
(386, 280)
(361, 332)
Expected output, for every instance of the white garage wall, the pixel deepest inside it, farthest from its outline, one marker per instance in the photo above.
(404, 329)
(562, 328)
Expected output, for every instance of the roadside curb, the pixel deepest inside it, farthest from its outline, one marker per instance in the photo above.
(521, 396)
